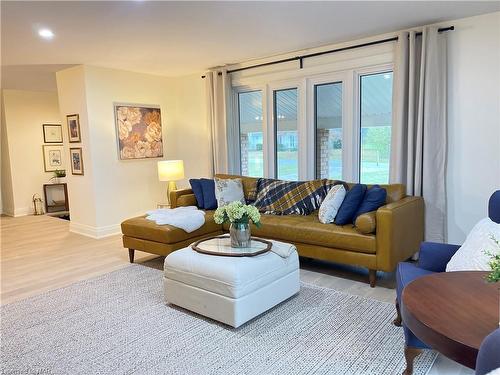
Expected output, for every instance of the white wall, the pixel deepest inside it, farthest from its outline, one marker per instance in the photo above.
(123, 189)
(473, 121)
(81, 189)
(191, 131)
(6, 176)
(23, 173)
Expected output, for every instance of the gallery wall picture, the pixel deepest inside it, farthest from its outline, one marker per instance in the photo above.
(52, 133)
(76, 159)
(73, 122)
(139, 131)
(53, 157)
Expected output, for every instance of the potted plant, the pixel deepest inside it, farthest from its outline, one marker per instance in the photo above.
(494, 263)
(58, 173)
(239, 215)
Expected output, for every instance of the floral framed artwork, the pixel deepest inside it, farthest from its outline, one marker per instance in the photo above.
(73, 122)
(76, 159)
(139, 131)
(53, 157)
(52, 133)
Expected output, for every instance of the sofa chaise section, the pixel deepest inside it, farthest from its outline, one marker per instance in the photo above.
(145, 235)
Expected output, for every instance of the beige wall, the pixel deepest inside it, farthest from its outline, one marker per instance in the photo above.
(122, 189)
(5, 175)
(81, 189)
(191, 130)
(23, 173)
(125, 188)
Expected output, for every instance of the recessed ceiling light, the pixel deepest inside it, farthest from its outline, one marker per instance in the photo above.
(46, 33)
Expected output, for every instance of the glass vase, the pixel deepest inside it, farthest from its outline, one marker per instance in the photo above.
(240, 235)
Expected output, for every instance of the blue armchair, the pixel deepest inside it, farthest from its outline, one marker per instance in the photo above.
(488, 358)
(433, 258)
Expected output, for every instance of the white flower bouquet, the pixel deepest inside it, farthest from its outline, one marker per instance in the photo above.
(237, 213)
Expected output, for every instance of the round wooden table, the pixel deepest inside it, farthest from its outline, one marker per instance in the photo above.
(452, 312)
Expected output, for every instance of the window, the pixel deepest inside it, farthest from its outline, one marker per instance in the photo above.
(286, 134)
(251, 133)
(328, 127)
(375, 124)
(330, 122)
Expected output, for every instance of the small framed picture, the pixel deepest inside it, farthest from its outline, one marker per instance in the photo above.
(73, 128)
(76, 158)
(52, 133)
(53, 157)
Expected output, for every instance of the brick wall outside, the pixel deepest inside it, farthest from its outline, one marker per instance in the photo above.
(322, 157)
(244, 154)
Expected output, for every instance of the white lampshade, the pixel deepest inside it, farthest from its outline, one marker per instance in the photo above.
(170, 170)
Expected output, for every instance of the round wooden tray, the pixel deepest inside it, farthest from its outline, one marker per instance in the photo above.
(221, 245)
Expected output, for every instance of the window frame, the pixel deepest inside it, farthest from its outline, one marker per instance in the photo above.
(275, 131)
(379, 69)
(350, 77)
(312, 82)
(271, 125)
(236, 121)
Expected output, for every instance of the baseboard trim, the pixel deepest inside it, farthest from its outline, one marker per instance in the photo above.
(24, 211)
(94, 232)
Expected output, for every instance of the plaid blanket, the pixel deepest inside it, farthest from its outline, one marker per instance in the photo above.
(289, 197)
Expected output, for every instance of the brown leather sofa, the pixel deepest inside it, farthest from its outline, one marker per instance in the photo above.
(399, 231)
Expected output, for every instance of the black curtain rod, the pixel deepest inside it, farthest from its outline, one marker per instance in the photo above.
(302, 57)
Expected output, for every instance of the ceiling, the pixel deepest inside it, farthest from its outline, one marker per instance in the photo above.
(178, 38)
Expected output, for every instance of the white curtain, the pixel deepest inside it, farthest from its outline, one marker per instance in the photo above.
(418, 151)
(218, 83)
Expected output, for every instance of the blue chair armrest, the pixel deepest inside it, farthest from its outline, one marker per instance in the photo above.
(434, 256)
(488, 358)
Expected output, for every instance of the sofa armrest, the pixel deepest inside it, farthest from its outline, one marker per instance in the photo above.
(400, 230)
(434, 256)
(176, 194)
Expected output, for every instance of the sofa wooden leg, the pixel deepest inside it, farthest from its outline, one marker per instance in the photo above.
(131, 255)
(372, 276)
(397, 321)
(410, 355)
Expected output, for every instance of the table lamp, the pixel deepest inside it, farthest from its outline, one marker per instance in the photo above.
(171, 171)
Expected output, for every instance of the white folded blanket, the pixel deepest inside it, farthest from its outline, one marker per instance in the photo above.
(283, 249)
(187, 218)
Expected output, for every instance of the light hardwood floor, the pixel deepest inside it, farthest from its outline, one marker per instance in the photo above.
(38, 253)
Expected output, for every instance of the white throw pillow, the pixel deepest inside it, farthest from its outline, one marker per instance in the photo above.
(331, 204)
(471, 256)
(228, 190)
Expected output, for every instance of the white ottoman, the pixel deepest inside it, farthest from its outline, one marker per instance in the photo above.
(232, 290)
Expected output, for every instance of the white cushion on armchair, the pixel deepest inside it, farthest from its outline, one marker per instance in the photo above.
(471, 255)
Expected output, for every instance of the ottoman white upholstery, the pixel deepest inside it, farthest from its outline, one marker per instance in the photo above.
(232, 290)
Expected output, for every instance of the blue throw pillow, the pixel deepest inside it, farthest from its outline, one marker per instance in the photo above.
(198, 191)
(350, 205)
(374, 198)
(209, 200)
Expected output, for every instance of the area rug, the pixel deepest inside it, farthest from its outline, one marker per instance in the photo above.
(118, 323)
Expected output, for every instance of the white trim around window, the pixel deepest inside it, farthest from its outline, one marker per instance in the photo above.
(270, 158)
(356, 111)
(305, 86)
(340, 77)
